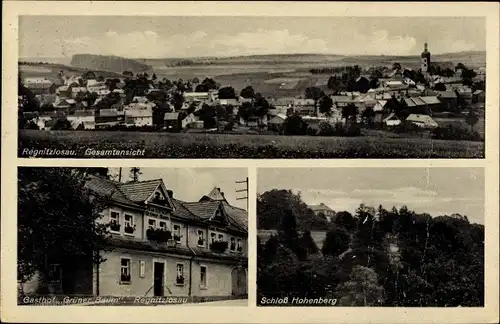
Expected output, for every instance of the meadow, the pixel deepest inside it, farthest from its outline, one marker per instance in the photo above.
(192, 145)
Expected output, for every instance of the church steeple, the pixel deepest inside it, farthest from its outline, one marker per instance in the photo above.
(425, 62)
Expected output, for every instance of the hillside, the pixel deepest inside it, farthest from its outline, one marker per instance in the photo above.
(51, 71)
(108, 63)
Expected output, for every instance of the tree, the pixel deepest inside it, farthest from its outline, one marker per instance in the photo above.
(315, 94)
(195, 80)
(325, 105)
(350, 112)
(89, 75)
(135, 172)
(294, 125)
(374, 82)
(261, 105)
(336, 242)
(247, 92)
(207, 114)
(368, 115)
(396, 66)
(57, 222)
(471, 120)
(227, 93)
(362, 289)
(439, 86)
(335, 84)
(100, 78)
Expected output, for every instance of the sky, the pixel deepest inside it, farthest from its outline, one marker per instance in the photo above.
(436, 191)
(185, 36)
(190, 184)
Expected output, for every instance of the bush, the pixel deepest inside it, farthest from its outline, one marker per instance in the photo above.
(455, 133)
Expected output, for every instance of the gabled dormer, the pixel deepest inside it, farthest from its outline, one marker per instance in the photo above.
(161, 197)
(153, 193)
(219, 215)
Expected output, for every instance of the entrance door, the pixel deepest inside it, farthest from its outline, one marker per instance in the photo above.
(239, 281)
(158, 273)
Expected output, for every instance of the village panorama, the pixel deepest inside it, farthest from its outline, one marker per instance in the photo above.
(418, 105)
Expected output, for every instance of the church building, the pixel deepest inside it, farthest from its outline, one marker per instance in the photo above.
(425, 62)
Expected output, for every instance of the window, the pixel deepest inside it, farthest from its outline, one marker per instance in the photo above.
(54, 272)
(221, 237)
(114, 220)
(180, 274)
(239, 248)
(212, 237)
(129, 224)
(163, 225)
(233, 244)
(203, 277)
(152, 223)
(177, 233)
(201, 240)
(142, 269)
(125, 270)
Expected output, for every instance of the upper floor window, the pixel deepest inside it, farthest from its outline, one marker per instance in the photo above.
(239, 246)
(201, 239)
(221, 237)
(163, 225)
(177, 233)
(152, 223)
(129, 224)
(114, 220)
(233, 244)
(212, 237)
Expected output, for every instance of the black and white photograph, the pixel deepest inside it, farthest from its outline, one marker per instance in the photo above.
(132, 236)
(251, 87)
(392, 237)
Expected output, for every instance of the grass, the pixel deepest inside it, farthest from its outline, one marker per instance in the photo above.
(187, 145)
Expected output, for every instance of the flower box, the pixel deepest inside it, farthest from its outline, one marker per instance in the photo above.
(158, 235)
(115, 227)
(219, 246)
(129, 229)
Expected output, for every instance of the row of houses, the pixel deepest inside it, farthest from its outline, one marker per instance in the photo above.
(161, 246)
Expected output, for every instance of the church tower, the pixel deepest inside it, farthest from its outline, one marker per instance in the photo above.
(425, 62)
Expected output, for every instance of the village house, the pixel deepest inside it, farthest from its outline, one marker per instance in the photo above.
(65, 104)
(139, 115)
(162, 246)
(105, 118)
(188, 120)
(392, 120)
(83, 119)
(423, 121)
(171, 120)
(478, 96)
(78, 91)
(37, 85)
(276, 123)
(449, 100)
(422, 105)
(304, 107)
(324, 210)
(196, 96)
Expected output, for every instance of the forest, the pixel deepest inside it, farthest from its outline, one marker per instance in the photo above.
(374, 257)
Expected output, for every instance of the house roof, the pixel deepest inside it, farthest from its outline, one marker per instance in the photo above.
(232, 102)
(138, 113)
(277, 119)
(478, 92)
(108, 188)
(108, 112)
(391, 116)
(303, 102)
(341, 98)
(320, 207)
(139, 191)
(447, 94)
(171, 116)
(202, 209)
(379, 106)
(420, 118)
(430, 100)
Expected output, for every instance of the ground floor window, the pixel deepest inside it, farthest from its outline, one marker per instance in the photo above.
(125, 270)
(203, 276)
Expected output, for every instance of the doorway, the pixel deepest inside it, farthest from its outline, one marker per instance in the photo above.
(158, 278)
(239, 282)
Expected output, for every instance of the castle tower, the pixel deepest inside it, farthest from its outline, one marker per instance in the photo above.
(425, 61)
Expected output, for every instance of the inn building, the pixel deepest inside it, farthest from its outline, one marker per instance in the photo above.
(163, 246)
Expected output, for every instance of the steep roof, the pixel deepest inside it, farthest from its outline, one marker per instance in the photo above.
(108, 188)
(215, 194)
(139, 191)
(202, 209)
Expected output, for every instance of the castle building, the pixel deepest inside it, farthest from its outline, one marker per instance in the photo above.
(425, 62)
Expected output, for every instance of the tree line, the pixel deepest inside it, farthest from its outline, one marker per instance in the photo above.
(375, 257)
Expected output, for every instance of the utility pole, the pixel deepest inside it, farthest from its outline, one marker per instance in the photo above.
(243, 190)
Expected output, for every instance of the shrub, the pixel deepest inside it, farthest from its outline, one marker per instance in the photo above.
(451, 132)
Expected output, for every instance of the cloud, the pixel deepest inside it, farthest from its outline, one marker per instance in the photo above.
(149, 44)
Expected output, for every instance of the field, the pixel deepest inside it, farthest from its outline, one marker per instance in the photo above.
(187, 145)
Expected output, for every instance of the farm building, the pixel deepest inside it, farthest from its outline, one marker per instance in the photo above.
(324, 210)
(276, 122)
(139, 117)
(422, 104)
(196, 96)
(478, 96)
(37, 84)
(423, 121)
(171, 120)
(304, 107)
